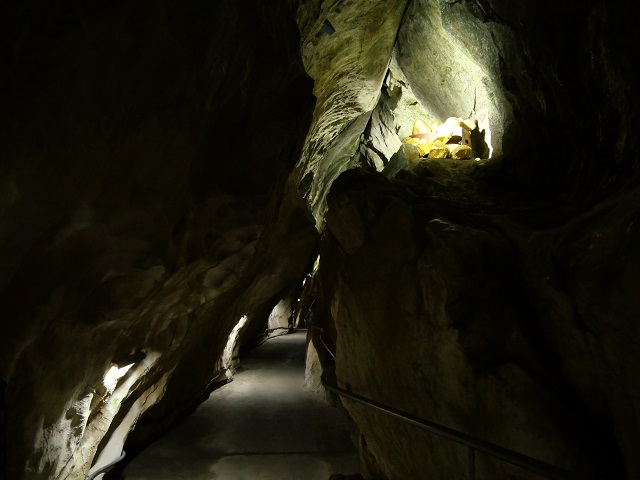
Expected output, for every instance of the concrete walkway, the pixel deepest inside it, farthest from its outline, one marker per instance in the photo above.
(263, 425)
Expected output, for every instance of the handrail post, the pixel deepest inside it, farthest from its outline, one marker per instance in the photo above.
(3, 430)
(472, 463)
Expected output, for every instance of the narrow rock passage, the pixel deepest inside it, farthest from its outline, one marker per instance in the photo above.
(263, 425)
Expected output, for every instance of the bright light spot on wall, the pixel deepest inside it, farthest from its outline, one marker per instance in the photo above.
(85, 419)
(280, 316)
(142, 363)
(114, 374)
(230, 349)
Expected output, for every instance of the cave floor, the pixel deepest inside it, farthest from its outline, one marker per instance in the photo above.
(263, 425)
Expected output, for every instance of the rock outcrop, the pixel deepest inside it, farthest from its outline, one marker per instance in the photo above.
(491, 296)
(483, 322)
(143, 188)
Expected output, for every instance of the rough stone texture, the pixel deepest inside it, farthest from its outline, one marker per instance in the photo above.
(131, 216)
(533, 74)
(392, 120)
(538, 357)
(500, 329)
(450, 57)
(348, 69)
(585, 275)
(280, 316)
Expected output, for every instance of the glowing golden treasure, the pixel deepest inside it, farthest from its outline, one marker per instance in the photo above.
(440, 140)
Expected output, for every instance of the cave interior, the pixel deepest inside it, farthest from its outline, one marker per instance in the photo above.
(177, 177)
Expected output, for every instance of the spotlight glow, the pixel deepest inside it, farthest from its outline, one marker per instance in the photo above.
(230, 348)
(113, 375)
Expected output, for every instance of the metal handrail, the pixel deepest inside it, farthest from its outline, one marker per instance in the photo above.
(3, 430)
(106, 468)
(311, 325)
(473, 443)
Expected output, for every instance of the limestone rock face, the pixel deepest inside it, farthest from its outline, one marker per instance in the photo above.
(450, 58)
(131, 221)
(494, 277)
(348, 68)
(482, 322)
(525, 82)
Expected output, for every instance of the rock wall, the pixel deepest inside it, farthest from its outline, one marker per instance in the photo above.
(145, 209)
(553, 83)
(484, 323)
(492, 296)
(348, 68)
